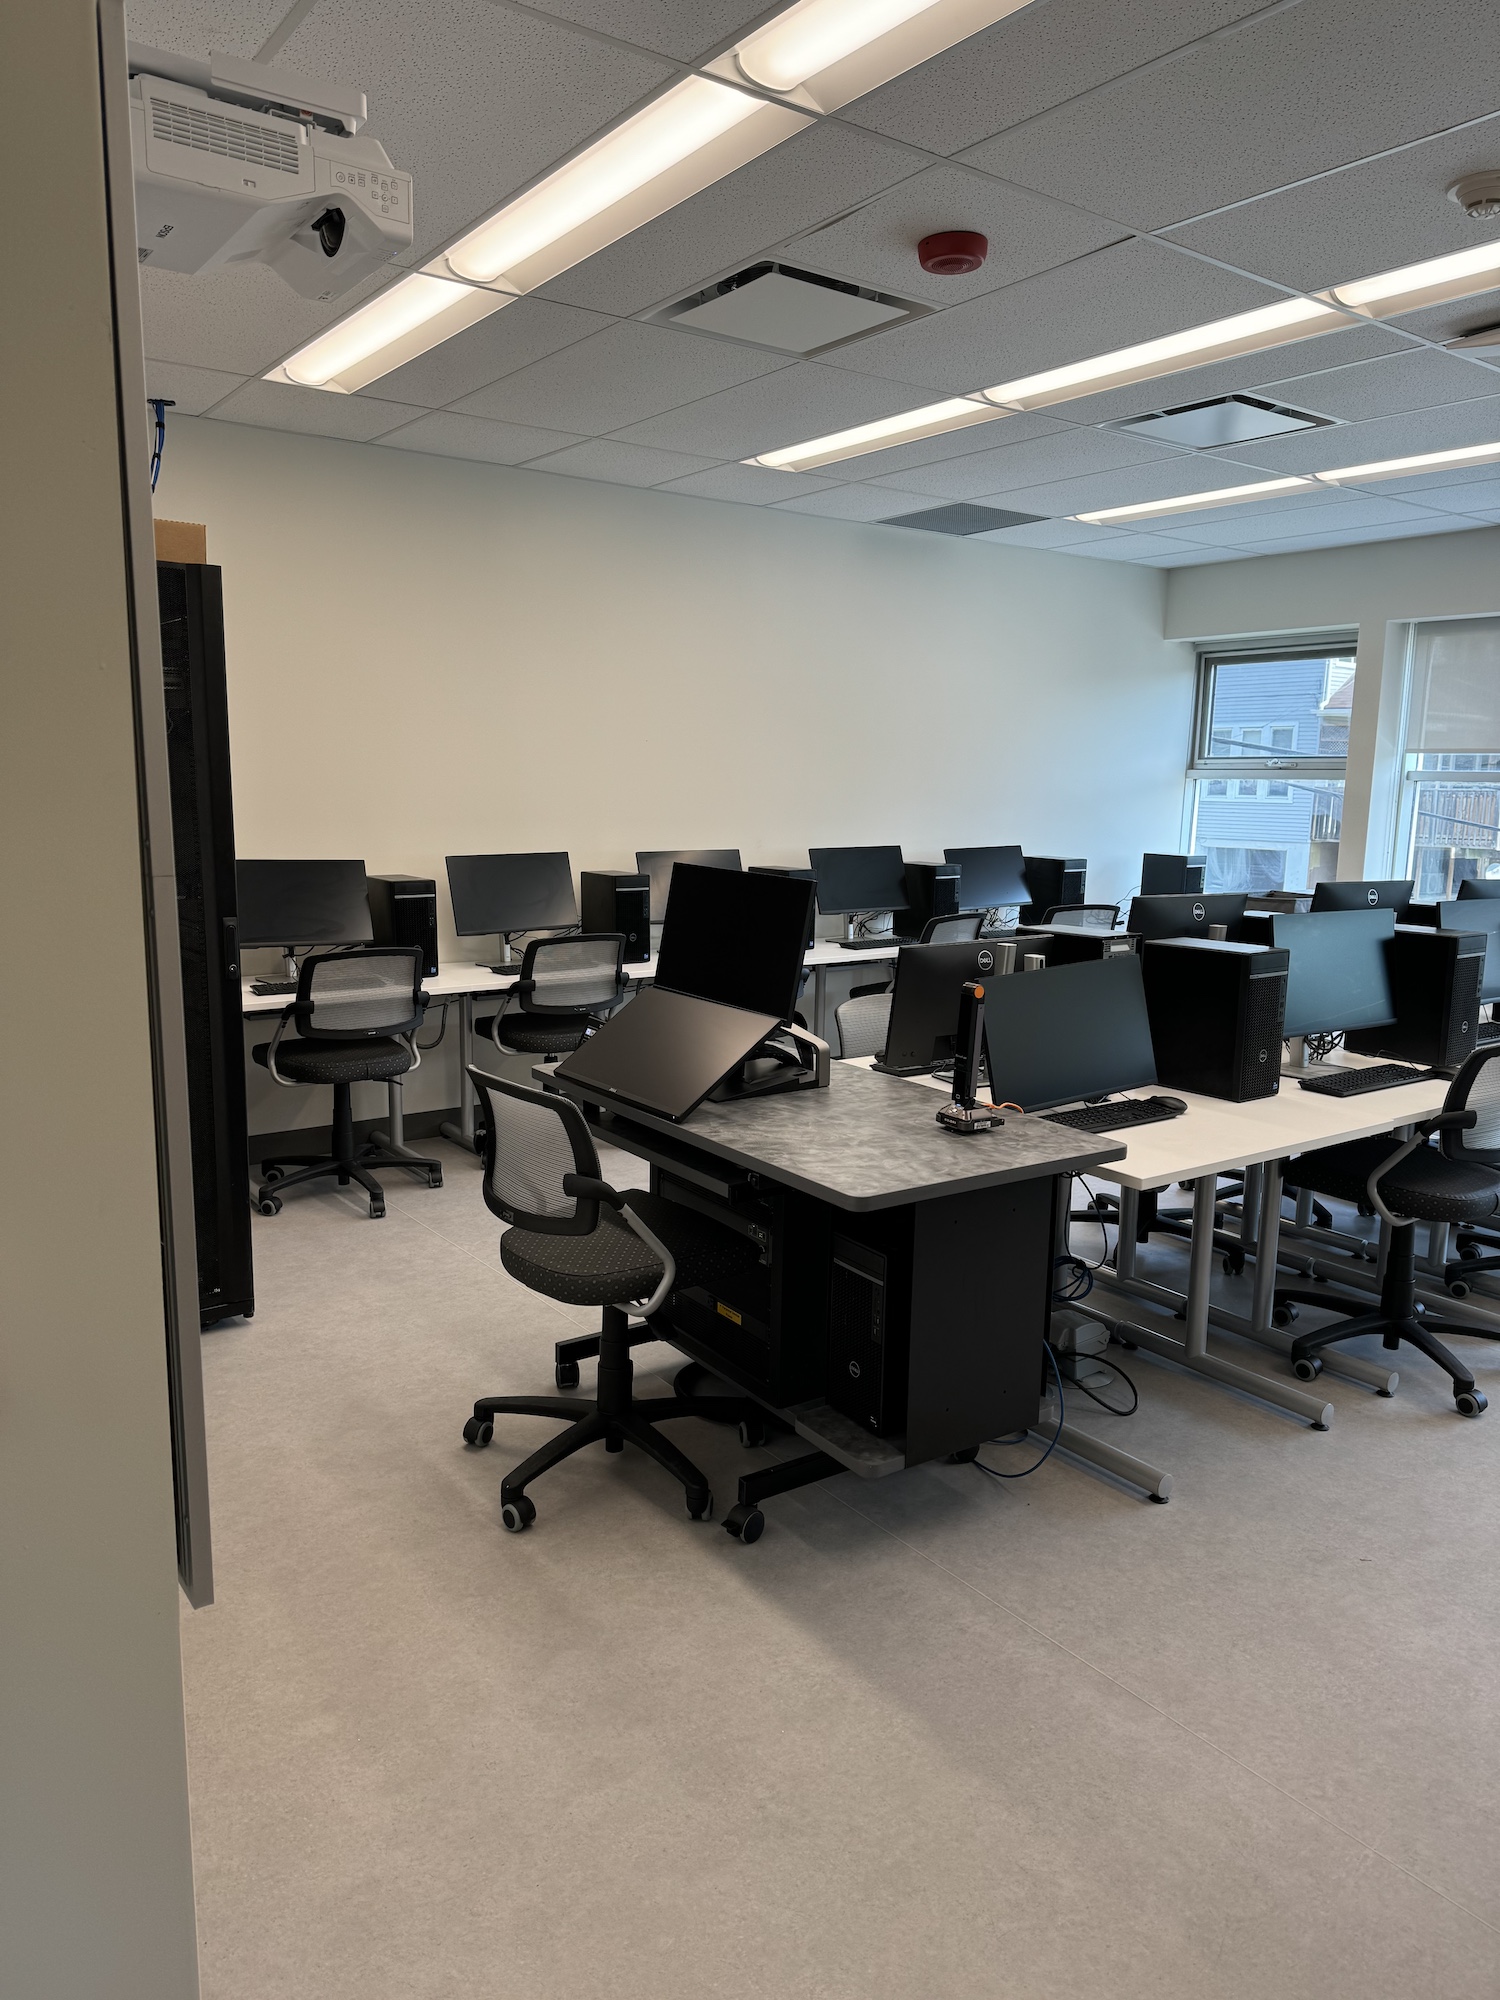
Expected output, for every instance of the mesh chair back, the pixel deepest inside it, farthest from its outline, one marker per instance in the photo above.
(1476, 1088)
(575, 975)
(863, 1024)
(1084, 916)
(962, 929)
(374, 990)
(533, 1139)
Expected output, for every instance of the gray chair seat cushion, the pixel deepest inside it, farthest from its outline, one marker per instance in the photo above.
(1426, 1185)
(375, 1060)
(612, 1266)
(534, 1034)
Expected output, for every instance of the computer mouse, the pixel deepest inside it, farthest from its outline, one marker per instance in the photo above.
(1170, 1103)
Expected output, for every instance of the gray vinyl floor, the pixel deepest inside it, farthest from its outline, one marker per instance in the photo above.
(933, 1736)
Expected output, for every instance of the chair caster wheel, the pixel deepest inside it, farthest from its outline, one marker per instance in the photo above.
(270, 1175)
(754, 1431)
(1457, 1289)
(1308, 1369)
(435, 1177)
(269, 1204)
(965, 1457)
(478, 1431)
(700, 1505)
(565, 1375)
(377, 1210)
(1283, 1315)
(746, 1524)
(1471, 1403)
(517, 1515)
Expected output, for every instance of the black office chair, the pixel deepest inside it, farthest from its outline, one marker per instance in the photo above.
(573, 1238)
(1404, 1183)
(961, 929)
(1084, 916)
(567, 986)
(357, 1013)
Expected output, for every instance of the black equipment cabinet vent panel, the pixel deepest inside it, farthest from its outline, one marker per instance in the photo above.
(194, 686)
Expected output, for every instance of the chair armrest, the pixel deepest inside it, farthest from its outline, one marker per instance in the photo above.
(282, 1025)
(584, 1187)
(1449, 1121)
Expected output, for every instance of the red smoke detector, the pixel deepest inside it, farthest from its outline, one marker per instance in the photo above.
(952, 252)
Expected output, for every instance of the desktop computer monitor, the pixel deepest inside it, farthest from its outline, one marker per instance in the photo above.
(1173, 874)
(1182, 916)
(499, 895)
(990, 878)
(1477, 913)
(923, 1024)
(1338, 972)
(659, 863)
(854, 881)
(1362, 896)
(1472, 891)
(1071, 1032)
(296, 903)
(735, 938)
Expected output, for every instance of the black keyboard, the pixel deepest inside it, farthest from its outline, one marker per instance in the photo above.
(1115, 1117)
(1355, 1082)
(1489, 1031)
(267, 986)
(885, 943)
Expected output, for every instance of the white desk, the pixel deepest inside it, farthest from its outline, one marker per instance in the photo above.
(828, 951)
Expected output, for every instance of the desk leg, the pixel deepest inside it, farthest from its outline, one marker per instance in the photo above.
(1130, 1215)
(1155, 1484)
(462, 1134)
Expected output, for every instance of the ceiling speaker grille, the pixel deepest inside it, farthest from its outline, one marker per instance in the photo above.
(201, 131)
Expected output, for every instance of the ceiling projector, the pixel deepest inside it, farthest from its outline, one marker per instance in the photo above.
(238, 163)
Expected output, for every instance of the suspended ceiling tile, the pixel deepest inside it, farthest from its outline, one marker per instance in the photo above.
(1128, 548)
(842, 503)
(242, 319)
(684, 29)
(620, 376)
(813, 175)
(1244, 374)
(1193, 558)
(1442, 479)
(1064, 455)
(1376, 217)
(1042, 535)
(1458, 316)
(206, 27)
(621, 464)
(877, 245)
(1030, 62)
(1480, 495)
(1225, 522)
(754, 485)
(448, 435)
(1161, 478)
(471, 98)
(1420, 379)
(1352, 536)
(510, 339)
(278, 406)
(1332, 520)
(1129, 292)
(806, 400)
(193, 390)
(1385, 437)
(1292, 92)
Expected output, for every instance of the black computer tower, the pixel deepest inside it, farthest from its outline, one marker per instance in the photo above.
(797, 875)
(1435, 977)
(192, 653)
(933, 889)
(1217, 1012)
(1053, 884)
(1173, 874)
(403, 910)
(618, 902)
(866, 1374)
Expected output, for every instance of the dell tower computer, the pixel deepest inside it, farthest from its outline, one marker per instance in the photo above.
(867, 1371)
(1173, 874)
(932, 890)
(190, 602)
(1052, 884)
(403, 910)
(618, 902)
(1435, 978)
(1217, 1011)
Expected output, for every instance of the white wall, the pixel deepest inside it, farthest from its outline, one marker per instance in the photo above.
(430, 657)
(1379, 588)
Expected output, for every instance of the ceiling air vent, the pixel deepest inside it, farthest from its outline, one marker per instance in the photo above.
(791, 312)
(1225, 420)
(963, 518)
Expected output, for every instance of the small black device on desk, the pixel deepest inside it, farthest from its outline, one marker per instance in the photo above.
(1374, 1076)
(966, 1113)
(1121, 1116)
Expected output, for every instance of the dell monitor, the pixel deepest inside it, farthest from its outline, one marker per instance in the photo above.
(1338, 975)
(501, 895)
(1173, 874)
(735, 938)
(290, 904)
(659, 862)
(1363, 896)
(923, 1023)
(990, 878)
(1477, 913)
(1472, 891)
(1182, 916)
(857, 881)
(1070, 1032)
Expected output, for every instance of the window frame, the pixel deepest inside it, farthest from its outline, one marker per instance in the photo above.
(1202, 764)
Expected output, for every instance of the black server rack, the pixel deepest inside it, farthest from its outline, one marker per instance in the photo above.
(192, 653)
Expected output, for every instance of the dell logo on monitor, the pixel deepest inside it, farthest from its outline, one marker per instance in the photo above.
(1199, 913)
(986, 961)
(1372, 897)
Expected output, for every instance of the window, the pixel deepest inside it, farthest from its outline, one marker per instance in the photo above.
(1278, 720)
(1448, 824)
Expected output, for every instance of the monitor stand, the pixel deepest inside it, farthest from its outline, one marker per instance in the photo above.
(771, 1068)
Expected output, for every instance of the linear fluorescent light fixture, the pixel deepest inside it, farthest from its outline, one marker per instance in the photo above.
(1229, 496)
(1426, 461)
(910, 426)
(395, 326)
(822, 54)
